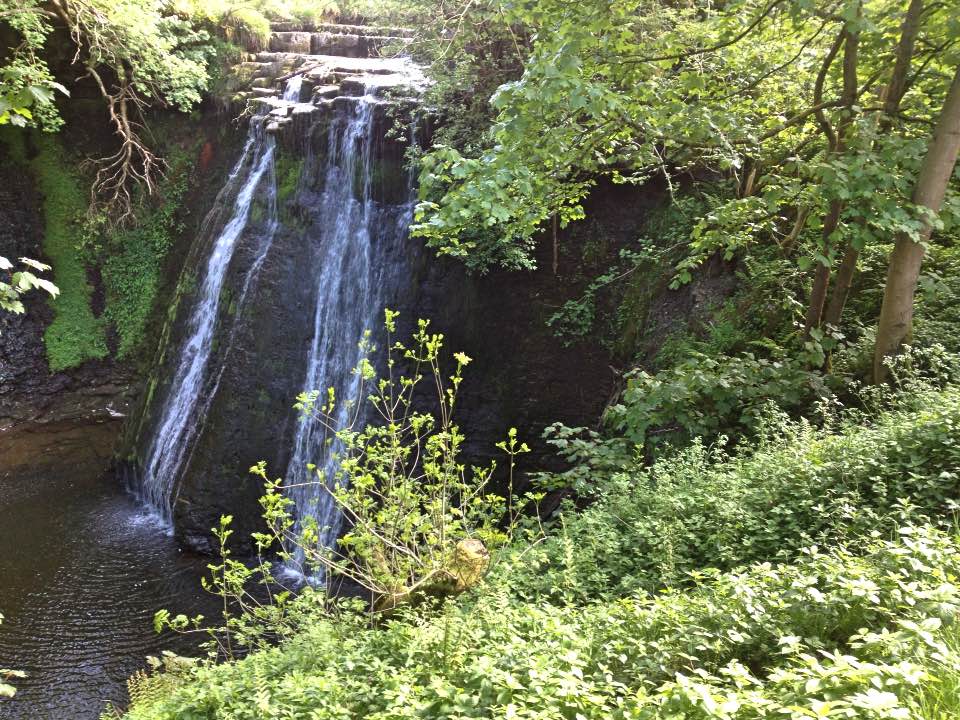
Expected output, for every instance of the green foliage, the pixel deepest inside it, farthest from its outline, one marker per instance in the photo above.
(247, 22)
(244, 23)
(289, 171)
(420, 524)
(742, 96)
(652, 525)
(75, 335)
(27, 88)
(704, 395)
(613, 306)
(159, 53)
(130, 260)
(577, 319)
(16, 283)
(698, 587)
(137, 54)
(867, 636)
(938, 300)
(7, 690)
(133, 260)
(419, 521)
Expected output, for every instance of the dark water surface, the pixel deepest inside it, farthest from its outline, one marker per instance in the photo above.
(83, 568)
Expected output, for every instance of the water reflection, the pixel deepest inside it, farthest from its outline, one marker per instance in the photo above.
(83, 568)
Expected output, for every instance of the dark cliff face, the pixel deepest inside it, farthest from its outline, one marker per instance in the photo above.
(522, 376)
(30, 394)
(22, 356)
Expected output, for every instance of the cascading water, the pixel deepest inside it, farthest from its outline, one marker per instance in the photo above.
(356, 253)
(304, 248)
(192, 385)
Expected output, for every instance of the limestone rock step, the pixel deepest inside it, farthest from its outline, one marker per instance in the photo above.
(368, 30)
(328, 43)
(326, 82)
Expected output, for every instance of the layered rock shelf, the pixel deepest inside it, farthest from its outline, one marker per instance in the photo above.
(334, 62)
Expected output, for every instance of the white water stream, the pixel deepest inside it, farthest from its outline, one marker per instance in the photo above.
(253, 178)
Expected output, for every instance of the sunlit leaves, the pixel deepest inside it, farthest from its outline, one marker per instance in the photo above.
(15, 284)
(631, 89)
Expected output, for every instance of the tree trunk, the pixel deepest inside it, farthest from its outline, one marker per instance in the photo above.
(841, 285)
(837, 140)
(893, 94)
(896, 315)
(821, 279)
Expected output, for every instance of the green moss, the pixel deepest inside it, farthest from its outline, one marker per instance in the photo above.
(288, 171)
(228, 299)
(76, 334)
(134, 259)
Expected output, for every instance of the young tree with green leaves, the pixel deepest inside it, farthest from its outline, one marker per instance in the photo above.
(14, 284)
(809, 116)
(896, 315)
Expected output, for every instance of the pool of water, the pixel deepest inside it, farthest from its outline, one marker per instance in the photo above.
(83, 568)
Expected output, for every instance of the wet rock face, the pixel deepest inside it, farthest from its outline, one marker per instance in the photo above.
(350, 41)
(34, 401)
(523, 375)
(252, 407)
(265, 318)
(29, 451)
(23, 361)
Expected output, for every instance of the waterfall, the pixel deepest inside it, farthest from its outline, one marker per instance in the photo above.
(192, 384)
(356, 260)
(301, 252)
(291, 90)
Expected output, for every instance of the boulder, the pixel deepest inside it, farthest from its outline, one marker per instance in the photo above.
(290, 42)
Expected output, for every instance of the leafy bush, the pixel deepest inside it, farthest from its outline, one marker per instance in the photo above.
(836, 634)
(246, 26)
(701, 396)
(7, 690)
(14, 284)
(651, 526)
(938, 300)
(419, 524)
(418, 520)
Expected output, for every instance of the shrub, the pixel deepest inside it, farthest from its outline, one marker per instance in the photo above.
(836, 634)
(6, 689)
(651, 526)
(419, 524)
(702, 396)
(419, 521)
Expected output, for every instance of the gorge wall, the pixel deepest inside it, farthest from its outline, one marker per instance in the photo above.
(523, 375)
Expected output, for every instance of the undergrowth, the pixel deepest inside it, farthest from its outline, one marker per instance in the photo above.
(835, 634)
(803, 576)
(132, 260)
